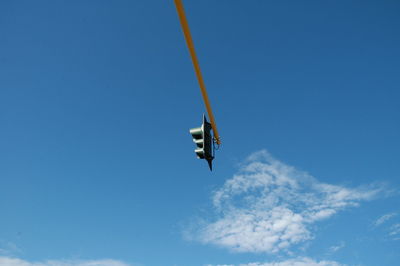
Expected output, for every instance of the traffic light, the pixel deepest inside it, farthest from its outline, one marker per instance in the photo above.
(204, 141)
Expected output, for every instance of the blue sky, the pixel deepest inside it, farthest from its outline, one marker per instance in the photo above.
(97, 163)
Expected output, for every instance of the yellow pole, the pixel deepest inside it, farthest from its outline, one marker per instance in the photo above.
(189, 42)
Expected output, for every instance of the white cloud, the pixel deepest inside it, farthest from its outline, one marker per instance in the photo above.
(270, 206)
(302, 261)
(8, 261)
(384, 218)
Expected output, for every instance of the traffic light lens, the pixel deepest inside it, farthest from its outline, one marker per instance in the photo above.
(199, 153)
(197, 132)
(199, 143)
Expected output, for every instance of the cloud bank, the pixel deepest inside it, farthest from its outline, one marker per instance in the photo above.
(8, 261)
(269, 206)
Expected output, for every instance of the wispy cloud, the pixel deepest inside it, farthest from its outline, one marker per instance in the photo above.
(391, 227)
(9, 261)
(302, 261)
(336, 248)
(395, 231)
(384, 218)
(8, 248)
(269, 206)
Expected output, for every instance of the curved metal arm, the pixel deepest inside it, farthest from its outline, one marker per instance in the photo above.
(189, 42)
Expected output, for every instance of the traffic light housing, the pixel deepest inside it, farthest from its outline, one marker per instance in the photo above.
(204, 141)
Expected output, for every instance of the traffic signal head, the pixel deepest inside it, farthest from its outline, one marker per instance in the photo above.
(204, 141)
